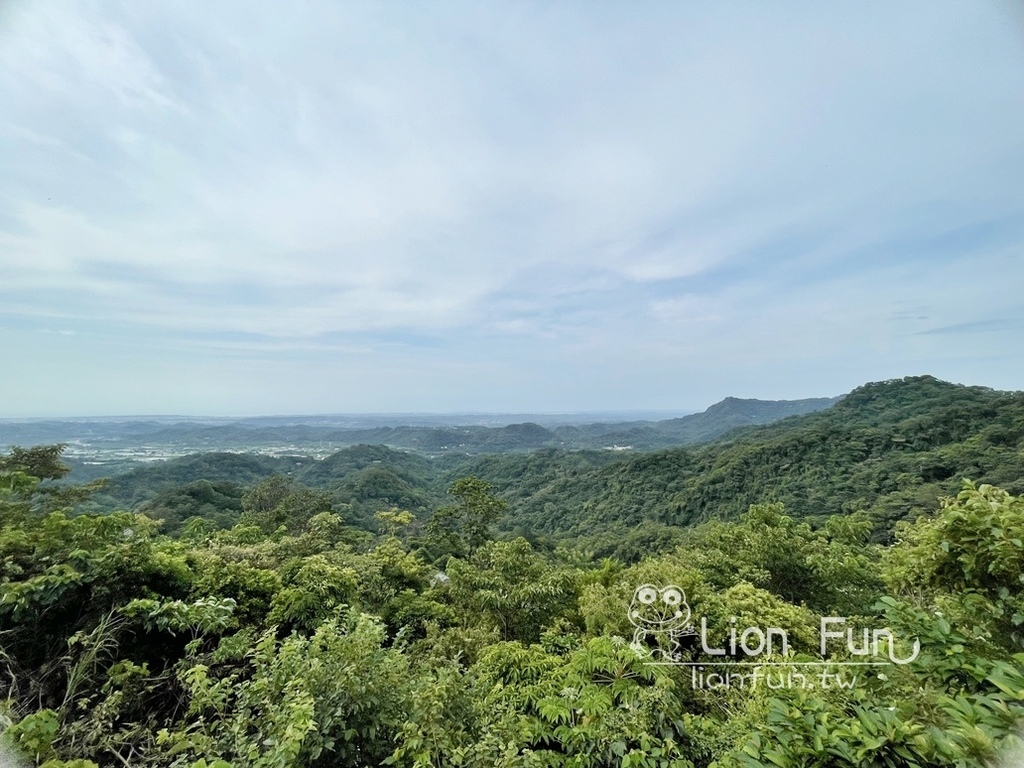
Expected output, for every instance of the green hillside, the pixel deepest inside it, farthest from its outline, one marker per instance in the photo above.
(361, 480)
(889, 448)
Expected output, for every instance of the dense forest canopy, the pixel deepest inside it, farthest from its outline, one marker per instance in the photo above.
(380, 607)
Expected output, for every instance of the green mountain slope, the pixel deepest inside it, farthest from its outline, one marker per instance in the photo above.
(890, 448)
(362, 480)
(733, 412)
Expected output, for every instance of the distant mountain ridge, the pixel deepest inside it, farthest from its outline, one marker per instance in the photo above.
(888, 448)
(163, 440)
(733, 412)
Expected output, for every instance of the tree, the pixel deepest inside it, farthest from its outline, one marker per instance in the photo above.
(972, 555)
(42, 462)
(509, 586)
(463, 528)
(277, 502)
(23, 490)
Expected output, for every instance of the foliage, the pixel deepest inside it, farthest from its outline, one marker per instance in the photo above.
(463, 528)
(336, 697)
(289, 637)
(974, 549)
(511, 588)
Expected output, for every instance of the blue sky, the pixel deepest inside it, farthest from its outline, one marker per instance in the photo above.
(242, 208)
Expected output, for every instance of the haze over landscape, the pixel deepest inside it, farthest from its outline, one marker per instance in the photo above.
(244, 208)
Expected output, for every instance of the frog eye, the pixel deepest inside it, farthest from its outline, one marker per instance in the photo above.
(646, 595)
(672, 596)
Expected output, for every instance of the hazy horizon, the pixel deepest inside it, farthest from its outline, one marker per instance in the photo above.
(668, 414)
(611, 414)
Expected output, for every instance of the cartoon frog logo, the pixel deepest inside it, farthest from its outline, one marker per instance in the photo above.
(659, 611)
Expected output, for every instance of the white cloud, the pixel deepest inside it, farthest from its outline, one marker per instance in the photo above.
(679, 186)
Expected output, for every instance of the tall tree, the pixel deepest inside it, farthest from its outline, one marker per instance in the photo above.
(465, 526)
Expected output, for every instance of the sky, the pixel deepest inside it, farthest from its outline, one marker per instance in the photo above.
(246, 208)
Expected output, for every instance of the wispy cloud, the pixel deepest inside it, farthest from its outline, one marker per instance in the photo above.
(503, 206)
(979, 326)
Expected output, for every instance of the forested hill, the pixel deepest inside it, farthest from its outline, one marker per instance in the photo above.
(718, 420)
(733, 412)
(890, 448)
(361, 480)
